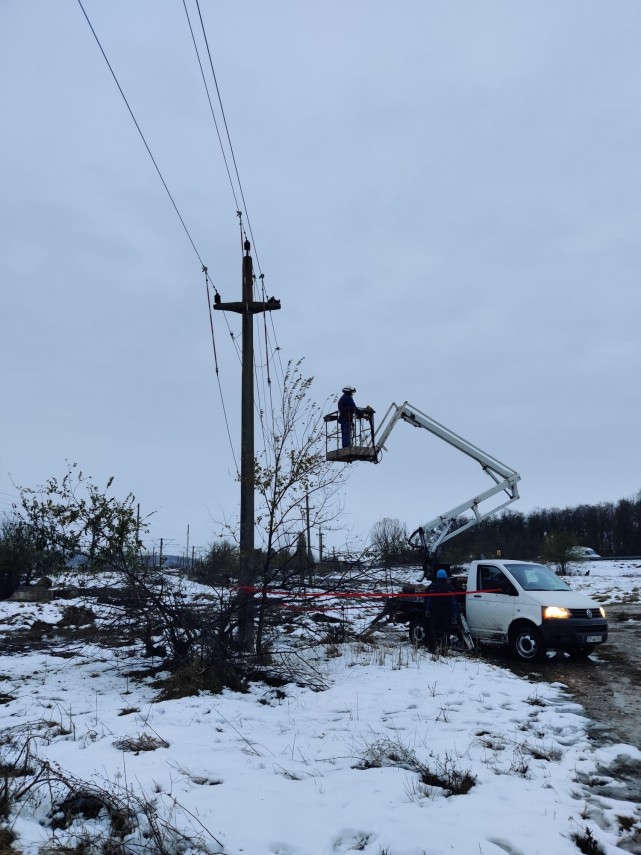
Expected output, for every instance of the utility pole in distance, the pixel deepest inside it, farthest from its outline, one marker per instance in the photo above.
(247, 308)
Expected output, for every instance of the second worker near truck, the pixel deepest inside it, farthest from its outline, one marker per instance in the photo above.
(441, 608)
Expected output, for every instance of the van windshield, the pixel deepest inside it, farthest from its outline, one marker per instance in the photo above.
(537, 577)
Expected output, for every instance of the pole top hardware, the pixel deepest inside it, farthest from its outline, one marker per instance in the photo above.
(254, 308)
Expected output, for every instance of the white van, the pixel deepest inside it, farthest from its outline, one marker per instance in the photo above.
(530, 608)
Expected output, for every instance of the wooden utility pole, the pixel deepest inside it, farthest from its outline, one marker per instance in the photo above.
(247, 308)
(310, 559)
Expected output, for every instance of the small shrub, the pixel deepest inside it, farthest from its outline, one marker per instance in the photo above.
(494, 742)
(38, 630)
(7, 838)
(549, 753)
(332, 651)
(136, 744)
(87, 818)
(520, 765)
(192, 678)
(77, 616)
(587, 843)
(455, 782)
(626, 823)
(439, 773)
(334, 635)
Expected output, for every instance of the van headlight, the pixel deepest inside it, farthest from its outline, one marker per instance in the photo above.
(601, 611)
(555, 612)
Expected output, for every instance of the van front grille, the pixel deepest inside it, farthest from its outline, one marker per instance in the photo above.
(586, 614)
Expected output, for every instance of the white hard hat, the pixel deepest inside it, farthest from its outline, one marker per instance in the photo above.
(348, 389)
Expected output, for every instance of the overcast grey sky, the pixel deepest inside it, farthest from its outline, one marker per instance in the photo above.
(445, 196)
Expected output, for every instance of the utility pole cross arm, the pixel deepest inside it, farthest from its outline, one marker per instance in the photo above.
(253, 307)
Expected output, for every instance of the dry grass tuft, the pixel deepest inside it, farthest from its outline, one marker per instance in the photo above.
(136, 744)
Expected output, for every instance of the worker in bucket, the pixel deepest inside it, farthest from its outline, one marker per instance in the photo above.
(347, 410)
(441, 608)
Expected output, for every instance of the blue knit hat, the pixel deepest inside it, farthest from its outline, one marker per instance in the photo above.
(441, 574)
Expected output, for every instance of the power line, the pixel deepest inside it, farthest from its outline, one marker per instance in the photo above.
(243, 236)
(222, 399)
(231, 147)
(203, 265)
(173, 202)
(211, 106)
(142, 136)
(222, 148)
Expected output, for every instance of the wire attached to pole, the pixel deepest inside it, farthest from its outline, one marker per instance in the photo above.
(213, 341)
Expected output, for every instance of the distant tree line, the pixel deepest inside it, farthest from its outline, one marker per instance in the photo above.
(611, 529)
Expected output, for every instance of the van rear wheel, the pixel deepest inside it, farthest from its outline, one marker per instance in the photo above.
(418, 633)
(527, 644)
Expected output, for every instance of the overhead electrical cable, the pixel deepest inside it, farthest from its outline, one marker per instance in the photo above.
(231, 148)
(160, 175)
(164, 183)
(211, 106)
(266, 334)
(243, 235)
(142, 136)
(239, 213)
(213, 340)
(263, 296)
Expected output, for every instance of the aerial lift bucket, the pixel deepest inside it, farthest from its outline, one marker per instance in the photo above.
(362, 434)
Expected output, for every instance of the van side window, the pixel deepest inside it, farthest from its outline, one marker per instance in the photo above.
(492, 578)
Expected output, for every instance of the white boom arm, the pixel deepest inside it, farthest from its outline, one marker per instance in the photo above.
(505, 479)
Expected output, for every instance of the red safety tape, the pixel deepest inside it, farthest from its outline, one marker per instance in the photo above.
(352, 595)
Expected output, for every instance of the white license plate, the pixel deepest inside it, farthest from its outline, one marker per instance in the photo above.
(590, 639)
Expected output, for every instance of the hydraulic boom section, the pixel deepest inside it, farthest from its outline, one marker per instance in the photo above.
(439, 530)
(368, 444)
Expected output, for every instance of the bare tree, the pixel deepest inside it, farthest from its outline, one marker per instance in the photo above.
(291, 475)
(388, 538)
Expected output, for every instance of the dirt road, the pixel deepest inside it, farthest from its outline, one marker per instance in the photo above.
(607, 687)
(606, 684)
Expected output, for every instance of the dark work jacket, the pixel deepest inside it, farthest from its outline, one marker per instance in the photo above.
(346, 408)
(441, 606)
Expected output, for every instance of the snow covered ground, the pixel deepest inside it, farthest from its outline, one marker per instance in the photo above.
(372, 763)
(609, 582)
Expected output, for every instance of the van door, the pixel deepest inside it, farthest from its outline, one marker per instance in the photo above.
(490, 608)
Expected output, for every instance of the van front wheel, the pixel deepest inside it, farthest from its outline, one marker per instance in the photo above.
(526, 643)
